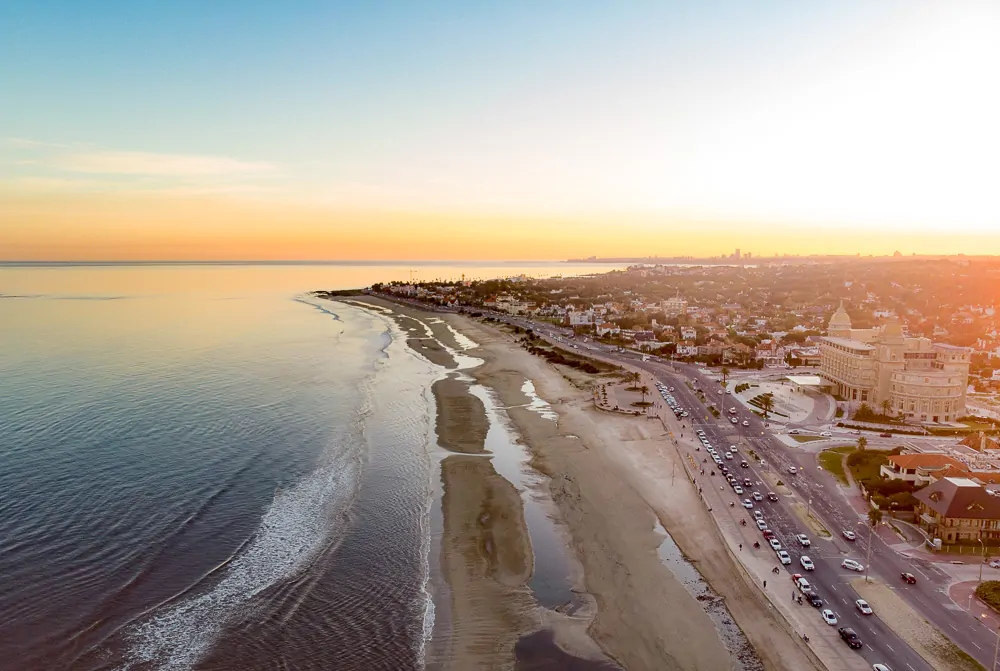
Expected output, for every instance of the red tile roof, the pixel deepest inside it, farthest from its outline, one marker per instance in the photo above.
(926, 461)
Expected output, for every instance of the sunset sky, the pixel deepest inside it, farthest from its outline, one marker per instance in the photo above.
(520, 130)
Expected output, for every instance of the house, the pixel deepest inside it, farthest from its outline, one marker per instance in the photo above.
(687, 349)
(958, 509)
(607, 328)
(921, 469)
(688, 333)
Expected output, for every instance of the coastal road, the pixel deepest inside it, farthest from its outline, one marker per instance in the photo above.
(928, 597)
(829, 580)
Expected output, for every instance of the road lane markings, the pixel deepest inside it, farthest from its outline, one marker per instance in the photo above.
(889, 647)
(974, 643)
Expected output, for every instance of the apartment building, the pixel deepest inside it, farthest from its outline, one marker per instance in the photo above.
(958, 509)
(917, 378)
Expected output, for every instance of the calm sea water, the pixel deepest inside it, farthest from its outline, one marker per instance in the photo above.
(201, 468)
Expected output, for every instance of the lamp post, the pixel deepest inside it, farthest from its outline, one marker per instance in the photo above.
(996, 649)
(868, 555)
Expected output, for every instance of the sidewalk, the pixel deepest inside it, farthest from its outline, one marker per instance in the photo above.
(963, 594)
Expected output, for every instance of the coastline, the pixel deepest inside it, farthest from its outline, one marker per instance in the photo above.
(628, 607)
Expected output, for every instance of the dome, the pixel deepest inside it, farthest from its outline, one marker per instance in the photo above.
(840, 320)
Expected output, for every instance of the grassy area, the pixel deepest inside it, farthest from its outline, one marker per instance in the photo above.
(833, 462)
(806, 439)
(865, 465)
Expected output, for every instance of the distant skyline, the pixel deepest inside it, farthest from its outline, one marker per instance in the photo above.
(326, 130)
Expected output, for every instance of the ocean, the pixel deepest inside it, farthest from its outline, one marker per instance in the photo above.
(203, 467)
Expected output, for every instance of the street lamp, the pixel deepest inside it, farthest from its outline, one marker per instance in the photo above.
(868, 554)
(983, 558)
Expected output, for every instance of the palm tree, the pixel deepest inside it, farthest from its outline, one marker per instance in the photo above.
(643, 390)
(886, 407)
(862, 444)
(766, 404)
(725, 374)
(874, 517)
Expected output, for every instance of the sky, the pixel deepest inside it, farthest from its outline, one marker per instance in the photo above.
(518, 130)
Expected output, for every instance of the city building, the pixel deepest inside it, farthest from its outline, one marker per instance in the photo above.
(920, 469)
(958, 509)
(674, 306)
(913, 378)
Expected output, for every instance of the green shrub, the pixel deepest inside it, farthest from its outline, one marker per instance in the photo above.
(989, 593)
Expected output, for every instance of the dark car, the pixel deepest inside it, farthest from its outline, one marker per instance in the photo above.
(850, 637)
(747, 482)
(724, 470)
(771, 496)
(814, 599)
(908, 578)
(744, 464)
(885, 435)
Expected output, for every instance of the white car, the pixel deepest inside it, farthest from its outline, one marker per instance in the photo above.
(826, 434)
(734, 420)
(732, 448)
(761, 524)
(746, 423)
(807, 563)
(852, 565)
(757, 497)
(784, 558)
(849, 535)
(863, 606)
(829, 617)
(729, 455)
(775, 543)
(792, 470)
(738, 490)
(794, 432)
(995, 564)
(748, 504)
(803, 540)
(758, 515)
(720, 392)
(803, 585)
(880, 667)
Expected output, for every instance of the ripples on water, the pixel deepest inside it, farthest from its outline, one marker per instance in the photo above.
(233, 484)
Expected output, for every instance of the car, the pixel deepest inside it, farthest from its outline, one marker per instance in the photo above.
(747, 482)
(826, 434)
(792, 470)
(803, 540)
(771, 496)
(784, 558)
(856, 432)
(758, 515)
(908, 578)
(814, 600)
(724, 470)
(863, 606)
(744, 464)
(684, 414)
(729, 455)
(758, 497)
(732, 448)
(746, 423)
(728, 392)
(852, 565)
(803, 584)
(775, 543)
(880, 667)
(995, 564)
(850, 637)
(671, 389)
(762, 525)
(734, 420)
(748, 504)
(767, 533)
(720, 392)
(794, 432)
(807, 563)
(738, 490)
(829, 617)
(885, 435)
(849, 535)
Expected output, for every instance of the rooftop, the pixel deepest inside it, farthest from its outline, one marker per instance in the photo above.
(807, 380)
(959, 498)
(926, 461)
(850, 344)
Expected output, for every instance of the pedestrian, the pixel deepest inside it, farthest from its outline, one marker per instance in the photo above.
(741, 547)
(793, 596)
(765, 584)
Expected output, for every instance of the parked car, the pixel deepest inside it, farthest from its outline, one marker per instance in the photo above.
(738, 489)
(807, 563)
(771, 496)
(852, 565)
(803, 540)
(829, 617)
(863, 606)
(995, 564)
(767, 533)
(850, 637)
(885, 435)
(908, 578)
(849, 535)
(748, 504)
(814, 600)
(758, 515)
(802, 584)
(775, 543)
(762, 525)
(784, 558)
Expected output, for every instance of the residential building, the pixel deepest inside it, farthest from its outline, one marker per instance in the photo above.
(689, 332)
(920, 469)
(674, 306)
(958, 509)
(920, 379)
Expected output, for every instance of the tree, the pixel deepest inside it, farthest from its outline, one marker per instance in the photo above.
(874, 517)
(862, 443)
(725, 374)
(886, 407)
(643, 390)
(766, 404)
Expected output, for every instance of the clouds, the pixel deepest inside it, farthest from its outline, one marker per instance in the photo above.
(146, 163)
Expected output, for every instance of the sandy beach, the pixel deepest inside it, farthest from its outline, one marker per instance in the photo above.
(606, 476)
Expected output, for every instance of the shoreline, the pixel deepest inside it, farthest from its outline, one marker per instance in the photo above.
(631, 608)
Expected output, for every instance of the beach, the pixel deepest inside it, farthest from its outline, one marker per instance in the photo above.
(603, 474)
